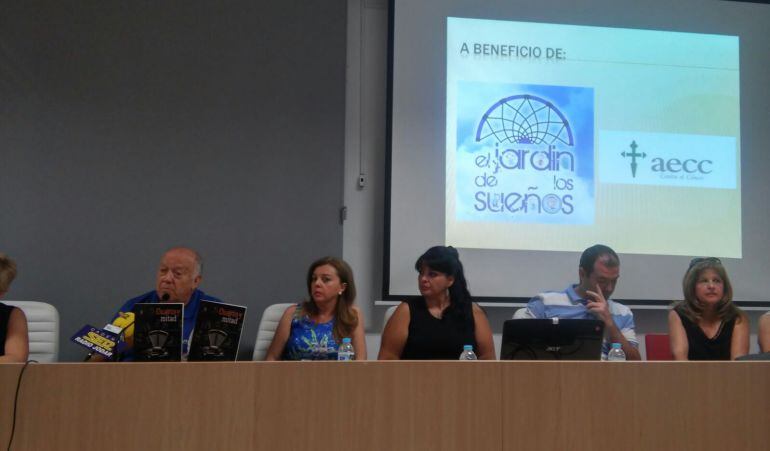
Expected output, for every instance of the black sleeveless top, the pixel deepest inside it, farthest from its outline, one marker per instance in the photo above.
(5, 316)
(703, 348)
(431, 338)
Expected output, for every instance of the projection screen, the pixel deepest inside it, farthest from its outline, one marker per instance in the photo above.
(523, 133)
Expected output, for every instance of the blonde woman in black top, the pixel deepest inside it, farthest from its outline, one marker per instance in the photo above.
(707, 325)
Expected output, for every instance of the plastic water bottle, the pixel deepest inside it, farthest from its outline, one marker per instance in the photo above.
(468, 353)
(346, 352)
(616, 353)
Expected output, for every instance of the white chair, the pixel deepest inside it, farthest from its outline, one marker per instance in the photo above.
(43, 327)
(267, 326)
(373, 346)
(373, 341)
(388, 314)
(520, 313)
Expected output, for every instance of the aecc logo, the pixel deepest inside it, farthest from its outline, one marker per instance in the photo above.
(672, 166)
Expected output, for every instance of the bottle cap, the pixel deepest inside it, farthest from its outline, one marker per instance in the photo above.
(468, 348)
(616, 346)
(346, 340)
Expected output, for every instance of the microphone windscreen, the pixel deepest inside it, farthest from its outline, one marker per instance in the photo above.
(126, 322)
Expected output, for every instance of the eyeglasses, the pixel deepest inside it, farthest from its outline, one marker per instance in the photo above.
(698, 260)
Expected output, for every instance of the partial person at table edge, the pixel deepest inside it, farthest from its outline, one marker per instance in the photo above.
(14, 335)
(764, 333)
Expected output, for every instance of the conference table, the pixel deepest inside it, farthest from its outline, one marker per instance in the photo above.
(420, 405)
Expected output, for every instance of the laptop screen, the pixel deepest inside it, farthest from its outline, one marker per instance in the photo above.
(552, 339)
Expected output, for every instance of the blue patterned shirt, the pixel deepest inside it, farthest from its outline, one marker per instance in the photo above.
(309, 340)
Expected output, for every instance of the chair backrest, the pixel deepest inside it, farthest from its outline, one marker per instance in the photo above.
(267, 326)
(43, 327)
(658, 347)
(520, 313)
(388, 314)
(373, 345)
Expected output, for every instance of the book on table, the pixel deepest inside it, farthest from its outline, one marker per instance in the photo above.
(217, 333)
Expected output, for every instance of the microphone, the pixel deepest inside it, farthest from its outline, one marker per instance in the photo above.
(106, 342)
(97, 341)
(123, 325)
(114, 337)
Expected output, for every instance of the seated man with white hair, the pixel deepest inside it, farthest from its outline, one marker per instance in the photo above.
(179, 275)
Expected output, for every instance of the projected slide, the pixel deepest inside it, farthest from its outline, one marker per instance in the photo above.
(558, 137)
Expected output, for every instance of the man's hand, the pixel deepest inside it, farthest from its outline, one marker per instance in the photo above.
(597, 305)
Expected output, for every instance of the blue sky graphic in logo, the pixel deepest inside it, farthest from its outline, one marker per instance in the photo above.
(524, 153)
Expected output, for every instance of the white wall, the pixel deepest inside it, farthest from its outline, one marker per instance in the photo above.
(366, 99)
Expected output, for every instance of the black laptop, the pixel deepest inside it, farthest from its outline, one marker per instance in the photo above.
(552, 339)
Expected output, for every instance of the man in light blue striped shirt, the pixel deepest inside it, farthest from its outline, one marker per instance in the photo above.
(590, 299)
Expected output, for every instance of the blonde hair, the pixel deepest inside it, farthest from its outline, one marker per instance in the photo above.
(691, 307)
(7, 272)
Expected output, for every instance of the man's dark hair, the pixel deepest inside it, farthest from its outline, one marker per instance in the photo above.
(595, 252)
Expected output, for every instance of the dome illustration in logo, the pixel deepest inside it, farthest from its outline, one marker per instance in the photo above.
(525, 119)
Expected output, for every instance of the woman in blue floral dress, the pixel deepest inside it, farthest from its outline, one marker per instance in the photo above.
(313, 330)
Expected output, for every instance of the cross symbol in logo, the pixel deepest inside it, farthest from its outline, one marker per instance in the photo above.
(633, 154)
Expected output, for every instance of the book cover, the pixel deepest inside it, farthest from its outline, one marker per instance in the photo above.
(158, 332)
(217, 333)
